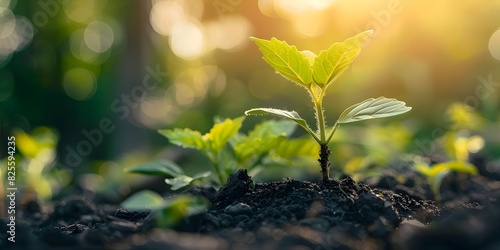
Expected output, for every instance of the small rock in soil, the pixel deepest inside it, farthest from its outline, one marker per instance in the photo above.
(237, 209)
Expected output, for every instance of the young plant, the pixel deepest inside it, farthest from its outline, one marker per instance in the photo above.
(211, 143)
(265, 145)
(316, 73)
(168, 212)
(436, 173)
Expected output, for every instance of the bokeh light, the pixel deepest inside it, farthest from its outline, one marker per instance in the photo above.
(99, 36)
(15, 32)
(164, 15)
(79, 10)
(494, 45)
(79, 84)
(79, 48)
(187, 40)
(229, 33)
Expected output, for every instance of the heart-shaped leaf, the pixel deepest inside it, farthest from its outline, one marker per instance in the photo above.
(164, 168)
(286, 60)
(373, 108)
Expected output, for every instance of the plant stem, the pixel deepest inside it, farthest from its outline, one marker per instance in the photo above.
(219, 173)
(321, 120)
(324, 162)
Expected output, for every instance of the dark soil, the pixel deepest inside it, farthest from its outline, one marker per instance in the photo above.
(337, 214)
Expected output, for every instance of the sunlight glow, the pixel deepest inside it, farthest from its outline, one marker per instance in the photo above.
(164, 15)
(494, 45)
(229, 33)
(187, 40)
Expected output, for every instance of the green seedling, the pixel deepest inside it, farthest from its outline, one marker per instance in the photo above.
(37, 158)
(176, 177)
(437, 172)
(211, 143)
(316, 73)
(457, 144)
(168, 212)
(264, 146)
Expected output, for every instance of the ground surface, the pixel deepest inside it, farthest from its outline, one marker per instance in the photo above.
(391, 213)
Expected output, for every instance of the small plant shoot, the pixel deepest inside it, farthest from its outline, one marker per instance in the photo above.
(315, 73)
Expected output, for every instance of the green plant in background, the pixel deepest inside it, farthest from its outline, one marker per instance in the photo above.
(372, 149)
(175, 175)
(316, 73)
(436, 173)
(40, 173)
(168, 212)
(457, 143)
(211, 143)
(264, 146)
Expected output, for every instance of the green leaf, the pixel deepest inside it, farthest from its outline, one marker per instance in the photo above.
(178, 209)
(445, 167)
(291, 115)
(264, 137)
(330, 64)
(286, 60)
(273, 128)
(165, 168)
(221, 132)
(301, 147)
(201, 175)
(373, 108)
(179, 182)
(184, 180)
(143, 200)
(186, 138)
(255, 146)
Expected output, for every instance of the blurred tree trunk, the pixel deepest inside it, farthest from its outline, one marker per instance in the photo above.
(130, 134)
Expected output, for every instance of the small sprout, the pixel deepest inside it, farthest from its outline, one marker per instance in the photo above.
(265, 145)
(315, 73)
(176, 177)
(211, 144)
(437, 172)
(168, 212)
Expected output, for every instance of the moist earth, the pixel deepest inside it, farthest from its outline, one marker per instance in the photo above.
(290, 214)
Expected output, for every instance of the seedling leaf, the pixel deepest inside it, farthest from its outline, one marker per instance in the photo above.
(291, 115)
(179, 181)
(164, 168)
(255, 146)
(301, 147)
(143, 200)
(330, 63)
(286, 60)
(273, 128)
(201, 175)
(184, 180)
(186, 138)
(373, 108)
(221, 132)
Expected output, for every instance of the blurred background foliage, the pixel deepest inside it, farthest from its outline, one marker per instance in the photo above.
(84, 84)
